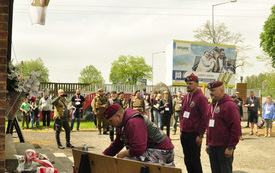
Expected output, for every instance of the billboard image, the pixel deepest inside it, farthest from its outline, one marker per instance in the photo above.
(210, 62)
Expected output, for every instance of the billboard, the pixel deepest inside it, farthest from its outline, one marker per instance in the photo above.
(210, 62)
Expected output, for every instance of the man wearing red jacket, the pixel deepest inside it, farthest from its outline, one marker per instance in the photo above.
(143, 139)
(224, 129)
(193, 123)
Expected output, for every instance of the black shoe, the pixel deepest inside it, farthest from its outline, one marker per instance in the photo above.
(99, 133)
(60, 146)
(69, 145)
(105, 133)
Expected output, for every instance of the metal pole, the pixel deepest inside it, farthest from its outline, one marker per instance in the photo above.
(152, 68)
(213, 32)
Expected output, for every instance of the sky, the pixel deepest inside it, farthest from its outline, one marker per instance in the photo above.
(79, 33)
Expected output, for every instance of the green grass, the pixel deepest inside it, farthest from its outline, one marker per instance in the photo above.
(84, 125)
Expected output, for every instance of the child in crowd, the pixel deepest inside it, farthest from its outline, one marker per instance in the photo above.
(25, 108)
(268, 116)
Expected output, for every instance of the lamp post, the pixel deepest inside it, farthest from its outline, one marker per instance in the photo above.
(163, 51)
(213, 32)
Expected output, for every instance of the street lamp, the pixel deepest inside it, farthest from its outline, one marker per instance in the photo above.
(163, 51)
(213, 32)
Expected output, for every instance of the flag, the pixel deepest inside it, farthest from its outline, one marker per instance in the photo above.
(37, 11)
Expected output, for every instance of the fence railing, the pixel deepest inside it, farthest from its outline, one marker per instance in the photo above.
(70, 88)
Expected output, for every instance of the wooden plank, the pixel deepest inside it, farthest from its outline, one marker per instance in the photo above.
(106, 164)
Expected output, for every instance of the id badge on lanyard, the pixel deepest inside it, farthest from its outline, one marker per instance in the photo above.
(212, 121)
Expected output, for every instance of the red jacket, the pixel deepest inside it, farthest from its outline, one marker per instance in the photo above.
(136, 134)
(197, 105)
(227, 127)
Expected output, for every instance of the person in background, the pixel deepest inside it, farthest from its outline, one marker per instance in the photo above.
(35, 112)
(147, 106)
(111, 101)
(237, 102)
(78, 102)
(108, 95)
(61, 118)
(240, 104)
(99, 104)
(26, 109)
(152, 99)
(253, 104)
(268, 116)
(123, 101)
(137, 103)
(166, 108)
(224, 129)
(131, 98)
(46, 107)
(156, 110)
(177, 105)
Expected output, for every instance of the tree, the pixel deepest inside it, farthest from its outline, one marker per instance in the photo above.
(26, 67)
(268, 36)
(90, 75)
(127, 69)
(223, 36)
(263, 81)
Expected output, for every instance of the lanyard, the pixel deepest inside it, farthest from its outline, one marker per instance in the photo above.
(252, 100)
(267, 107)
(213, 111)
(188, 98)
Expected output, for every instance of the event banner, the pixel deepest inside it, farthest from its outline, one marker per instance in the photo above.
(210, 62)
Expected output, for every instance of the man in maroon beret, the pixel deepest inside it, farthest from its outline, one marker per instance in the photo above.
(143, 140)
(193, 123)
(224, 129)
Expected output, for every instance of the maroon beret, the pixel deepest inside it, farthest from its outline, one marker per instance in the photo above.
(192, 77)
(214, 84)
(111, 110)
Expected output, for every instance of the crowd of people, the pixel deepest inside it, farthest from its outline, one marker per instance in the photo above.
(138, 123)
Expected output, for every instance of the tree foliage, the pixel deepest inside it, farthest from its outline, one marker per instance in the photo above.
(224, 36)
(127, 69)
(268, 36)
(26, 67)
(90, 75)
(263, 81)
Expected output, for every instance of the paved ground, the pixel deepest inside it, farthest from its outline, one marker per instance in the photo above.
(253, 154)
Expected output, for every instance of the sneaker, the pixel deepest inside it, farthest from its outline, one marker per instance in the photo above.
(251, 133)
(265, 135)
(269, 135)
(69, 145)
(60, 146)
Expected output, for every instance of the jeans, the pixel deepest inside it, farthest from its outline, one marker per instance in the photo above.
(219, 163)
(176, 119)
(192, 152)
(35, 115)
(156, 118)
(77, 113)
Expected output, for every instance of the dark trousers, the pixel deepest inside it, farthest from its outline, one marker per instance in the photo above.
(248, 115)
(192, 152)
(219, 163)
(152, 115)
(165, 121)
(46, 115)
(76, 114)
(26, 118)
(58, 124)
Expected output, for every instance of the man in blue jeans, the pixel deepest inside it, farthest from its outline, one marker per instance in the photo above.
(78, 102)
